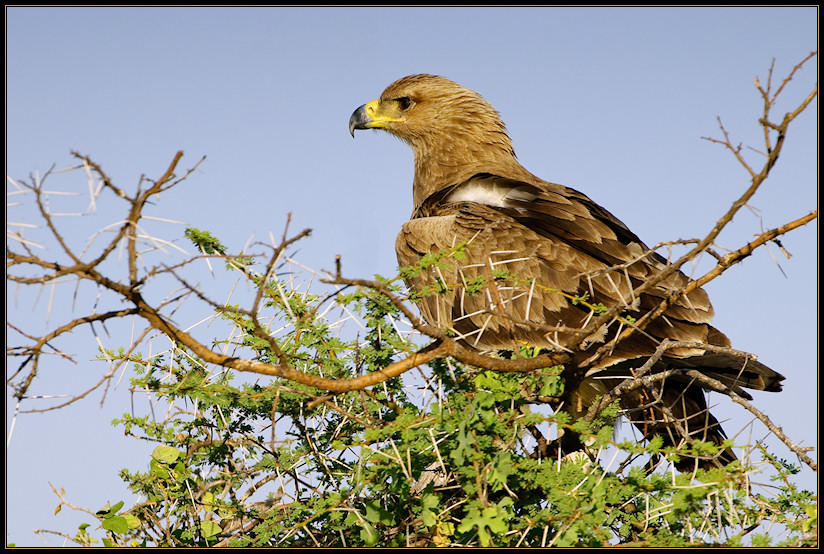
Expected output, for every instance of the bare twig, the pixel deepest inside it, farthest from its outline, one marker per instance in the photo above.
(717, 385)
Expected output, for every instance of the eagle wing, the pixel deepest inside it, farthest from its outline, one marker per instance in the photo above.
(516, 263)
(554, 241)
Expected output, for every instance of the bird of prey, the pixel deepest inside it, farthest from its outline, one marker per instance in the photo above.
(536, 258)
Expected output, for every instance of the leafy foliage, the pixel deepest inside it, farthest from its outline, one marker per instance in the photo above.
(454, 456)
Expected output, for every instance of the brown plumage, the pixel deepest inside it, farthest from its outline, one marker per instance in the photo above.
(535, 246)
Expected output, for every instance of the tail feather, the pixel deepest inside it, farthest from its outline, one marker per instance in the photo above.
(675, 408)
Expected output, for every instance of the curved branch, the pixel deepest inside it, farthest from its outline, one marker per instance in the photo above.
(777, 431)
(723, 264)
(641, 379)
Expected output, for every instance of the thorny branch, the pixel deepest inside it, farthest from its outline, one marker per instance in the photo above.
(642, 379)
(129, 290)
(757, 178)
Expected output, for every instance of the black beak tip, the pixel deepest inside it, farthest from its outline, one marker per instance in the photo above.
(358, 120)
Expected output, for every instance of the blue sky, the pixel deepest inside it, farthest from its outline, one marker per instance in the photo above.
(610, 101)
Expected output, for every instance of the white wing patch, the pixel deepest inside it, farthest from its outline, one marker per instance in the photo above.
(488, 192)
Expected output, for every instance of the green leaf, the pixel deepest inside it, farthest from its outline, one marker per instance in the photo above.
(208, 501)
(204, 240)
(159, 469)
(108, 510)
(491, 518)
(166, 454)
(116, 524)
(429, 502)
(428, 517)
(369, 535)
(209, 528)
(502, 468)
(132, 521)
(376, 514)
(464, 447)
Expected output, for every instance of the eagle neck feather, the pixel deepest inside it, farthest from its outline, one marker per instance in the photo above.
(439, 166)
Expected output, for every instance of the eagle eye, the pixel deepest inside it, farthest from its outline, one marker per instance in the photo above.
(404, 102)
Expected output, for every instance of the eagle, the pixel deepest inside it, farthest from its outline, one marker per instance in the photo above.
(538, 261)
